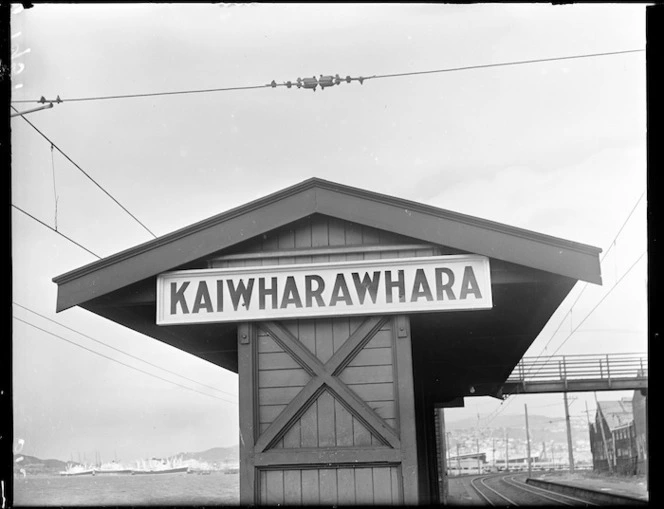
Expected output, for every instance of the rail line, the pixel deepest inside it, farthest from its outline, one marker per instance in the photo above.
(482, 481)
(517, 488)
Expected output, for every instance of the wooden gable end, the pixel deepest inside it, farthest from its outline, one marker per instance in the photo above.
(319, 238)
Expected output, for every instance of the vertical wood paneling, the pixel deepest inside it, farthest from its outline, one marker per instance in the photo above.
(396, 490)
(353, 234)
(319, 232)
(303, 240)
(326, 431)
(328, 486)
(275, 487)
(361, 435)
(310, 487)
(292, 487)
(346, 486)
(336, 232)
(324, 340)
(382, 486)
(344, 426)
(307, 336)
(309, 426)
(292, 438)
(364, 486)
(340, 332)
(263, 487)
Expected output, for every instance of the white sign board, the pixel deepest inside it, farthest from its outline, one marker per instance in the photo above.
(369, 287)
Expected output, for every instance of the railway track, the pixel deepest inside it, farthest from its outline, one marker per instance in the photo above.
(504, 489)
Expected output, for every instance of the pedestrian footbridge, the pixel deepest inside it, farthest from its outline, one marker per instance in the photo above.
(579, 373)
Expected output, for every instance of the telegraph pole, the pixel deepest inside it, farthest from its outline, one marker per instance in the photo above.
(530, 468)
(477, 441)
(570, 450)
(507, 452)
(494, 454)
(447, 440)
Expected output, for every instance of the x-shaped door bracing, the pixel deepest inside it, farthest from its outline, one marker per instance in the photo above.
(326, 376)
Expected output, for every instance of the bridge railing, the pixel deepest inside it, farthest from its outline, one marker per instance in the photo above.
(580, 367)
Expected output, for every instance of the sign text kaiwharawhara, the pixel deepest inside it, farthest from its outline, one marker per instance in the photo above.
(400, 285)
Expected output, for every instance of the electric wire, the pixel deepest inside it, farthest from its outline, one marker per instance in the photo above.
(120, 362)
(56, 231)
(377, 76)
(501, 408)
(120, 350)
(613, 243)
(601, 300)
(87, 175)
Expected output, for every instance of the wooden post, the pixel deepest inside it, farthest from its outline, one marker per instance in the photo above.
(601, 427)
(477, 441)
(530, 468)
(570, 450)
(507, 452)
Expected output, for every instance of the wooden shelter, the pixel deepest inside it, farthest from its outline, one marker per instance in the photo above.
(337, 403)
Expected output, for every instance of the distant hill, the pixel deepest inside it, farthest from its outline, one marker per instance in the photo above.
(35, 465)
(215, 455)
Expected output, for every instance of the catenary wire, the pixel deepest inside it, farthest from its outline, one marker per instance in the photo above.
(378, 76)
(56, 231)
(120, 362)
(120, 350)
(502, 408)
(87, 175)
(613, 243)
(602, 300)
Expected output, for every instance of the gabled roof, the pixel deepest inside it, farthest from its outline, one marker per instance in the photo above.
(617, 414)
(404, 217)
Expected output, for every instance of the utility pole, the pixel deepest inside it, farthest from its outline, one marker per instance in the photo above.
(601, 427)
(530, 468)
(458, 460)
(447, 441)
(477, 441)
(494, 454)
(507, 452)
(570, 450)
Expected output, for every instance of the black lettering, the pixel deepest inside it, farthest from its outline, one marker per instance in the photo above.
(421, 287)
(311, 294)
(389, 284)
(447, 288)
(202, 298)
(262, 292)
(177, 296)
(242, 290)
(366, 284)
(469, 284)
(338, 289)
(220, 295)
(291, 295)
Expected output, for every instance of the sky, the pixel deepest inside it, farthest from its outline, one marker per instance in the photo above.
(556, 147)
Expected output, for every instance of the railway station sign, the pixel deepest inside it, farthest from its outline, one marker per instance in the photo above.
(399, 285)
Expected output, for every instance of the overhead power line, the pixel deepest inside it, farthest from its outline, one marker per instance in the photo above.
(56, 231)
(328, 80)
(120, 350)
(611, 246)
(120, 362)
(601, 300)
(87, 175)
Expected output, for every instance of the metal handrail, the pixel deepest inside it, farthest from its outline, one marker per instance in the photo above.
(581, 366)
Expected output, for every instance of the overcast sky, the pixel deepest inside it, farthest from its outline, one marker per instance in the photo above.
(555, 147)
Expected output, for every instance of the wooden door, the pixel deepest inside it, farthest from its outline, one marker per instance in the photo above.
(326, 412)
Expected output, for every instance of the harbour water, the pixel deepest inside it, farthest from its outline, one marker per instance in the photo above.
(179, 489)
